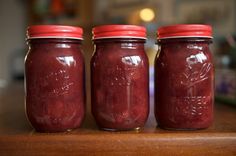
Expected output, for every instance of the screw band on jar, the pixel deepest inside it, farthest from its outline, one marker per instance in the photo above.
(54, 31)
(184, 31)
(119, 31)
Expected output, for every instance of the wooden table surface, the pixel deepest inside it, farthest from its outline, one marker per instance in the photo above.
(18, 138)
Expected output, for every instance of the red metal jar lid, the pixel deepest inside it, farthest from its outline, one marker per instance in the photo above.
(184, 30)
(119, 31)
(54, 31)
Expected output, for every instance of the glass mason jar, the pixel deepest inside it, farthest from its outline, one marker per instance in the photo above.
(119, 77)
(184, 77)
(54, 78)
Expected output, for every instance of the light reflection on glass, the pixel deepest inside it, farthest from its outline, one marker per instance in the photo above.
(193, 59)
(63, 45)
(194, 47)
(131, 60)
(66, 60)
(128, 46)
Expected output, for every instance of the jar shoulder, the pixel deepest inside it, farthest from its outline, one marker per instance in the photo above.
(41, 54)
(54, 59)
(124, 58)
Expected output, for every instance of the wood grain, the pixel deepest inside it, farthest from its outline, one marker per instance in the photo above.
(18, 138)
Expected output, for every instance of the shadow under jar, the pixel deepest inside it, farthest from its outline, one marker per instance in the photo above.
(184, 77)
(119, 77)
(54, 78)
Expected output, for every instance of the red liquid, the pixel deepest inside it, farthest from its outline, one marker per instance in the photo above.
(120, 97)
(54, 70)
(184, 84)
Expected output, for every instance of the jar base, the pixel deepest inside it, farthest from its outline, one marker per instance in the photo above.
(117, 130)
(181, 129)
(55, 131)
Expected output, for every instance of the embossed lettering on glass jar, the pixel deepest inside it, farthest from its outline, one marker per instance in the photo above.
(184, 77)
(54, 78)
(119, 77)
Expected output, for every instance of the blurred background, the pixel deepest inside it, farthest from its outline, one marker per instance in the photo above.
(16, 15)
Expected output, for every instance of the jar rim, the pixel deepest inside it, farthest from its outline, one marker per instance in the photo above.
(184, 31)
(54, 31)
(119, 31)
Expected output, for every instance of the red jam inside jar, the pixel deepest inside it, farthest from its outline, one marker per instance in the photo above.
(184, 77)
(54, 78)
(119, 77)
